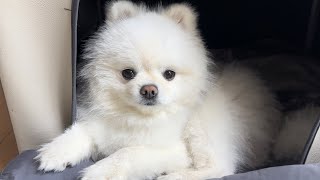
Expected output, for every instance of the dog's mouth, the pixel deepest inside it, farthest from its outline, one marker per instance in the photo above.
(148, 102)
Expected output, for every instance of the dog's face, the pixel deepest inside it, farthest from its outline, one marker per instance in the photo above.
(147, 61)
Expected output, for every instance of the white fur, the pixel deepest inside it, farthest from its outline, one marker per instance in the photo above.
(235, 125)
(203, 124)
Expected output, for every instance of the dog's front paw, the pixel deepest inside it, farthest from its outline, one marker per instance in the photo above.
(96, 172)
(171, 176)
(52, 158)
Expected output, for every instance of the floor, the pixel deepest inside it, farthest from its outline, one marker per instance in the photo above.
(8, 145)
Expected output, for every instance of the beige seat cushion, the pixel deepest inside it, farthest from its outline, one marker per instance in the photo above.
(314, 153)
(35, 67)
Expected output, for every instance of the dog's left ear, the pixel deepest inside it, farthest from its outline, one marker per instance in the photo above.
(182, 14)
(121, 9)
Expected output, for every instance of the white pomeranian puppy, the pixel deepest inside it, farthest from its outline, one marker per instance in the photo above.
(153, 107)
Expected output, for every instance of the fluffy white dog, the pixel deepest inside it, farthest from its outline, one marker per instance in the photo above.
(155, 109)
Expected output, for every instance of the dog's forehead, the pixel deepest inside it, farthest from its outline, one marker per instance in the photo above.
(152, 37)
(152, 41)
(152, 29)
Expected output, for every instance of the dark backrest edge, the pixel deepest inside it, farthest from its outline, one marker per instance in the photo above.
(74, 22)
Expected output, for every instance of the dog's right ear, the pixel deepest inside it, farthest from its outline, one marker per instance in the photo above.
(184, 15)
(118, 10)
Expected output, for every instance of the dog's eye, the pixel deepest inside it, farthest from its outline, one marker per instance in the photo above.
(128, 74)
(169, 75)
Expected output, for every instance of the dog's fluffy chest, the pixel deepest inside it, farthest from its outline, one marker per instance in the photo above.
(160, 131)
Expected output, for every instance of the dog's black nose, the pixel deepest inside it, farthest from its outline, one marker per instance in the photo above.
(149, 91)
